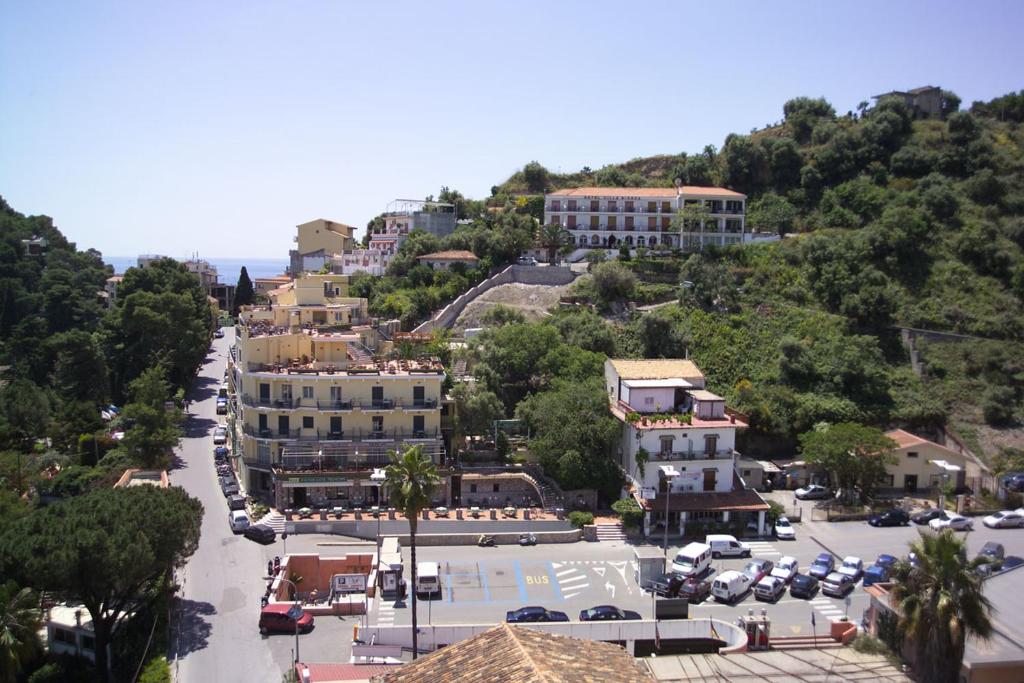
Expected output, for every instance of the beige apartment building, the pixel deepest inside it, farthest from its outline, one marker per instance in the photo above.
(316, 242)
(315, 409)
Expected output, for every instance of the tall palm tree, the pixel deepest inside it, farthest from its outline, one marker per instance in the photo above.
(410, 481)
(940, 604)
(20, 621)
(554, 238)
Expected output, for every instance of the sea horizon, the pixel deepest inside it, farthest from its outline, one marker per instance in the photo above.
(228, 267)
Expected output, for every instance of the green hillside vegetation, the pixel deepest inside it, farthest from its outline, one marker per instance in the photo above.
(891, 221)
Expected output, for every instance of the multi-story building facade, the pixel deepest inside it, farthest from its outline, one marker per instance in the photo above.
(313, 412)
(316, 242)
(678, 442)
(372, 261)
(608, 217)
(402, 216)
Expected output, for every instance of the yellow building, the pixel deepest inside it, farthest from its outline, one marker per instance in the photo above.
(314, 411)
(316, 242)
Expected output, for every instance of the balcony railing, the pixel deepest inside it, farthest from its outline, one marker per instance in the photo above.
(358, 435)
(693, 455)
(339, 405)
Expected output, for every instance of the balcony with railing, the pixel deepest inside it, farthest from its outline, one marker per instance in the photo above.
(351, 435)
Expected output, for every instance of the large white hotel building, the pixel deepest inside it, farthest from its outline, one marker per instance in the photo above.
(608, 217)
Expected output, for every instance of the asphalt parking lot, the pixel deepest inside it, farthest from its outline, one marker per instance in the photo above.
(481, 584)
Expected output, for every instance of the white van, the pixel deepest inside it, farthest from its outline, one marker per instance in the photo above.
(692, 560)
(724, 545)
(730, 586)
(428, 578)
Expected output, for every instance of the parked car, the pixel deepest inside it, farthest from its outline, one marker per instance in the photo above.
(218, 333)
(784, 531)
(261, 533)
(1006, 519)
(221, 452)
(730, 586)
(950, 520)
(785, 569)
(222, 406)
(837, 585)
(852, 567)
(992, 550)
(1014, 482)
(925, 516)
(667, 585)
(822, 566)
(526, 261)
(229, 487)
(220, 436)
(283, 617)
(758, 569)
(239, 520)
(880, 571)
(695, 589)
(236, 502)
(893, 517)
(803, 586)
(608, 613)
(813, 492)
(526, 615)
(769, 589)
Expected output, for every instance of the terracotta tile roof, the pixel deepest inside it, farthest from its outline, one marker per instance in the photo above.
(513, 654)
(455, 255)
(905, 439)
(662, 368)
(653, 192)
(709, 501)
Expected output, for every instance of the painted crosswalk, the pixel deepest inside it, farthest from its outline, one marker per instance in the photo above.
(827, 608)
(385, 612)
(572, 577)
(762, 548)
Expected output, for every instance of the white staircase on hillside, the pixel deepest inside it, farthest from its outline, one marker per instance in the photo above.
(610, 532)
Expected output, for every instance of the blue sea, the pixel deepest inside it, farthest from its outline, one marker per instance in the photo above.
(227, 268)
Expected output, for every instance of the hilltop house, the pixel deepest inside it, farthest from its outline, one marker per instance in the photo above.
(678, 445)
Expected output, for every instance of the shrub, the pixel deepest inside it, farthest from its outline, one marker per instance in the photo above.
(156, 671)
(997, 405)
(775, 510)
(580, 519)
(629, 512)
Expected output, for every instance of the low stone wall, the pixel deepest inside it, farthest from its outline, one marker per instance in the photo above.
(368, 527)
(505, 538)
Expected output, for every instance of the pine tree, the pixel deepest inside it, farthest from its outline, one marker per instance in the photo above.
(243, 290)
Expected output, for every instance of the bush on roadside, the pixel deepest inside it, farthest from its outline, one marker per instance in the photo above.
(157, 671)
(580, 519)
(629, 512)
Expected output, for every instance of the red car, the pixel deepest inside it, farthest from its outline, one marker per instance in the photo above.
(283, 618)
(758, 569)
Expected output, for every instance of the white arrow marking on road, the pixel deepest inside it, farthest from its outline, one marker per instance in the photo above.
(610, 587)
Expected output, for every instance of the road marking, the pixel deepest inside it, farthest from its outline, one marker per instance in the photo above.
(554, 582)
(567, 571)
(610, 587)
(571, 595)
(519, 580)
(599, 571)
(795, 629)
(575, 579)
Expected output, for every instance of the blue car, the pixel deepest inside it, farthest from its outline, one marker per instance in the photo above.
(822, 566)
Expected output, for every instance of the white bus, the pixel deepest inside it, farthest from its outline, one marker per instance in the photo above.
(428, 578)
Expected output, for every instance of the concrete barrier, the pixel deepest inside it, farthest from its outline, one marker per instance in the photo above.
(508, 538)
(368, 527)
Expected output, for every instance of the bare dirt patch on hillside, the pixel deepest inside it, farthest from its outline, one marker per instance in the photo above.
(533, 301)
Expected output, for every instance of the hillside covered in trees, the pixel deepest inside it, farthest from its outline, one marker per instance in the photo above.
(889, 221)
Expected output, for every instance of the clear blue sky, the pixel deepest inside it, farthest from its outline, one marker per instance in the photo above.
(216, 127)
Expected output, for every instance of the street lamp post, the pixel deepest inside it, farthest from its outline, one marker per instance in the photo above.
(296, 589)
(670, 473)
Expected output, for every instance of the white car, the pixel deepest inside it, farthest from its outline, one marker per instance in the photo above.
(784, 531)
(220, 436)
(1007, 519)
(786, 569)
(852, 567)
(812, 492)
(239, 520)
(949, 520)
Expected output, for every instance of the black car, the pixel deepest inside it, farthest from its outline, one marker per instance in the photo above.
(894, 517)
(525, 615)
(803, 586)
(261, 533)
(667, 585)
(822, 566)
(1014, 482)
(608, 613)
(925, 516)
(993, 551)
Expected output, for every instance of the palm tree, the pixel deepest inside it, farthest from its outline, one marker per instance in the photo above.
(20, 621)
(410, 481)
(940, 604)
(554, 238)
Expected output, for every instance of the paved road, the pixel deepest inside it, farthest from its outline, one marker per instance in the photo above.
(222, 583)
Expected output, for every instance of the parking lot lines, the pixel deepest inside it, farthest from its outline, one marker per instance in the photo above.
(827, 608)
(760, 548)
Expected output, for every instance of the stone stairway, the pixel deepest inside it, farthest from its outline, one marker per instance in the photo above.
(273, 519)
(610, 532)
(359, 354)
(822, 642)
